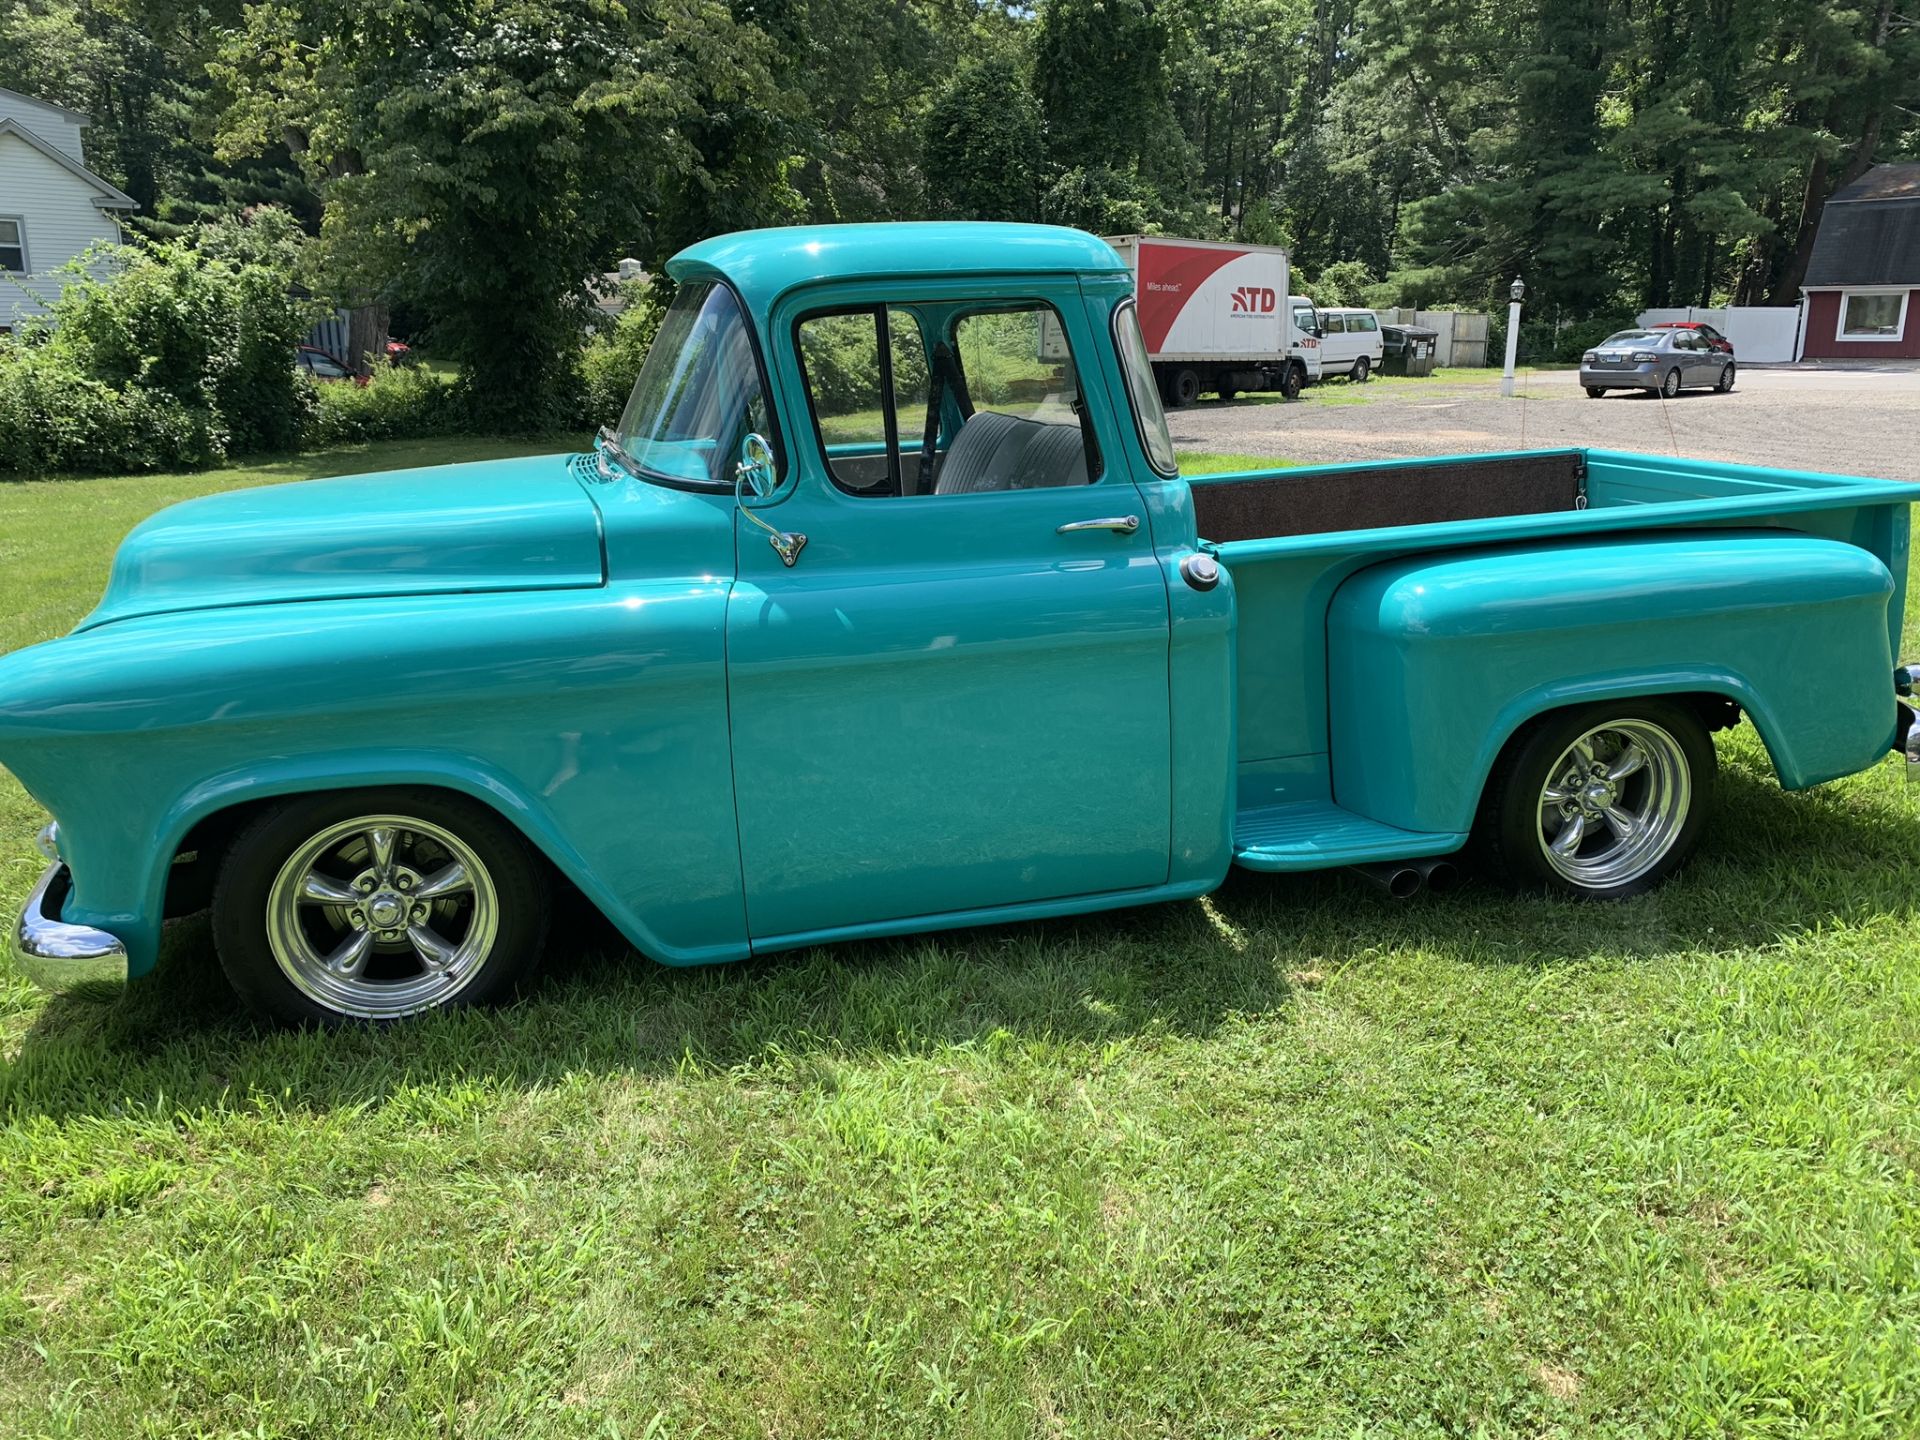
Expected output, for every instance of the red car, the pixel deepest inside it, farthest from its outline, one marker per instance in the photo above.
(1699, 327)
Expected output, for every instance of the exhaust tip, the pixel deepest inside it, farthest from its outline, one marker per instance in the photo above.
(1442, 876)
(1404, 884)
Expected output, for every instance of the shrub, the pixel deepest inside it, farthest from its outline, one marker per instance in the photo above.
(162, 356)
(613, 356)
(395, 404)
(55, 418)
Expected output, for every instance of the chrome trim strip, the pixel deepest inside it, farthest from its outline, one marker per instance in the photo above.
(55, 955)
(47, 842)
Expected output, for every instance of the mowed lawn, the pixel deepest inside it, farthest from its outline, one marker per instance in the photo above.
(1293, 1161)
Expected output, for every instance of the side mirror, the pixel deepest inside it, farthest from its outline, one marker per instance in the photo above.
(756, 468)
(756, 472)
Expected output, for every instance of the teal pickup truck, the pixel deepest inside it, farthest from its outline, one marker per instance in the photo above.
(885, 608)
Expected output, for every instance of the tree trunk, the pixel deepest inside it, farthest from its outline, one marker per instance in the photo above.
(366, 337)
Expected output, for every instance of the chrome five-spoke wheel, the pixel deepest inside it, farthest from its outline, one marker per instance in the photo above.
(1613, 804)
(1600, 801)
(382, 915)
(376, 905)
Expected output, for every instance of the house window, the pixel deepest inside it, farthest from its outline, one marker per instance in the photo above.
(13, 245)
(1873, 315)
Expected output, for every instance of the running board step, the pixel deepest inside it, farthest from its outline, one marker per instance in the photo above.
(1318, 835)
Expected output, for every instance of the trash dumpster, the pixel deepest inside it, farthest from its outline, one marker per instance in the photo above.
(1407, 349)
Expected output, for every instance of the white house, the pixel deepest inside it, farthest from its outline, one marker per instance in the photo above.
(51, 206)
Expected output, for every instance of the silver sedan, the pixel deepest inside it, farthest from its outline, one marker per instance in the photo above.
(1661, 362)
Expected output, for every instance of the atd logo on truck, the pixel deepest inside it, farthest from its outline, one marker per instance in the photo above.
(1254, 300)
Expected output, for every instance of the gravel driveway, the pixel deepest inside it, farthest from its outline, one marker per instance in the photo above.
(1852, 421)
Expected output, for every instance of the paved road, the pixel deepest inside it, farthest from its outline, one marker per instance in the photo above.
(1860, 422)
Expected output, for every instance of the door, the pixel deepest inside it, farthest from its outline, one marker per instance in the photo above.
(1337, 348)
(956, 697)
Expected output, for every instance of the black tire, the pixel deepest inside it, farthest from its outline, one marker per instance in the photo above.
(1725, 382)
(510, 894)
(1183, 388)
(1362, 370)
(1670, 386)
(1292, 380)
(1595, 392)
(1512, 829)
(1228, 394)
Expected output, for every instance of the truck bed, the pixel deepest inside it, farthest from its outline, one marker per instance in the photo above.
(1291, 538)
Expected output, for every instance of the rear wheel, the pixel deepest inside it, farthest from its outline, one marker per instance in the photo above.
(1362, 368)
(1670, 387)
(1228, 394)
(1183, 388)
(1594, 392)
(1725, 383)
(1601, 802)
(377, 905)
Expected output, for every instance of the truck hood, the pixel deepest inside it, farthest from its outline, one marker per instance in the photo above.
(491, 525)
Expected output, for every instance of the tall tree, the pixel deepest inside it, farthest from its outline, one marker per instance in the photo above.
(481, 158)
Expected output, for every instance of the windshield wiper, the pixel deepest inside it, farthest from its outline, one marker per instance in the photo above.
(607, 443)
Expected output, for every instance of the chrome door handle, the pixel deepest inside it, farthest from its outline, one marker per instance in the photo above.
(1120, 524)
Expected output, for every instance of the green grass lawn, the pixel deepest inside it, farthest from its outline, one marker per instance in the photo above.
(1292, 1161)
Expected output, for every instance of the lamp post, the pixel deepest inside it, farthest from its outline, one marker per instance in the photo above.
(1518, 291)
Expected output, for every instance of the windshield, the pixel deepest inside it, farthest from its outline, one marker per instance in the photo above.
(698, 394)
(1150, 419)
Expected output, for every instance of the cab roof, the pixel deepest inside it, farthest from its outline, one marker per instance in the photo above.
(764, 264)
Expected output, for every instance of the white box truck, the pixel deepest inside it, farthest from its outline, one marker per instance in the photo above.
(1217, 316)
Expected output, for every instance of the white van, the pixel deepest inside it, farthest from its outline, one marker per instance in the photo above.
(1350, 342)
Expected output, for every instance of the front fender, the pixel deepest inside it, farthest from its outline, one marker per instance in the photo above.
(595, 721)
(1436, 661)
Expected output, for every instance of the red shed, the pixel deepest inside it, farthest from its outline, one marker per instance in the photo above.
(1863, 279)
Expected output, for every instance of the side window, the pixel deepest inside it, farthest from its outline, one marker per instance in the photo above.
(866, 376)
(1014, 376)
(1332, 322)
(1368, 323)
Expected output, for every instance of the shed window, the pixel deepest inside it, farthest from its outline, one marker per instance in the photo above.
(1874, 316)
(13, 246)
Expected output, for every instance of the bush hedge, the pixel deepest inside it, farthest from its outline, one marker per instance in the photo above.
(159, 357)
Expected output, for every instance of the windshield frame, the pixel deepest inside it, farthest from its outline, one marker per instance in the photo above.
(775, 440)
(1125, 310)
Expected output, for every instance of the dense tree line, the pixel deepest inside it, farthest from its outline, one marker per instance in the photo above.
(472, 160)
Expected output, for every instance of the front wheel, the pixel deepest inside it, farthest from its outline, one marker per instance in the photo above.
(1362, 368)
(377, 905)
(1594, 392)
(1601, 802)
(1291, 381)
(1725, 383)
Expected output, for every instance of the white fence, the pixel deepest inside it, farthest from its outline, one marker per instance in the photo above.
(1462, 333)
(1762, 333)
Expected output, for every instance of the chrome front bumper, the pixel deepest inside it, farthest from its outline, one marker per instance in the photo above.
(55, 955)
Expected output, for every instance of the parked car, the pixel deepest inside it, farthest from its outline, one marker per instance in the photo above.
(398, 352)
(1699, 327)
(1350, 342)
(775, 666)
(321, 366)
(1661, 362)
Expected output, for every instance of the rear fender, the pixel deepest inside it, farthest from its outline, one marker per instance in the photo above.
(1436, 661)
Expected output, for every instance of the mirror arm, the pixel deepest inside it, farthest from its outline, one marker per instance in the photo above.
(786, 544)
